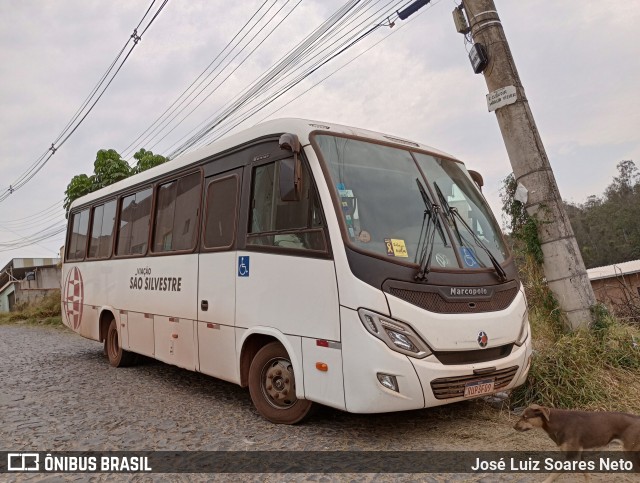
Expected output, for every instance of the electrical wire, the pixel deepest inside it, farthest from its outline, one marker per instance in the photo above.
(250, 96)
(186, 94)
(347, 43)
(175, 115)
(271, 76)
(311, 37)
(49, 208)
(227, 77)
(34, 239)
(390, 22)
(404, 24)
(76, 120)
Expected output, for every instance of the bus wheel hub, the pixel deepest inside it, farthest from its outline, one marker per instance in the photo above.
(278, 383)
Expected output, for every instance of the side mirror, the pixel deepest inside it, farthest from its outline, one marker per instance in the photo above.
(477, 178)
(290, 169)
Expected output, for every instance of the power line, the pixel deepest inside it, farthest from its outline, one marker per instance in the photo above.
(76, 120)
(266, 102)
(274, 76)
(348, 5)
(202, 76)
(349, 42)
(57, 204)
(431, 5)
(230, 73)
(173, 115)
(298, 62)
(259, 86)
(33, 239)
(45, 217)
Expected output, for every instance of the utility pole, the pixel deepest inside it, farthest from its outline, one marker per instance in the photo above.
(563, 265)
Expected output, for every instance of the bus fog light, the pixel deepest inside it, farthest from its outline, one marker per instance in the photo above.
(388, 381)
(402, 341)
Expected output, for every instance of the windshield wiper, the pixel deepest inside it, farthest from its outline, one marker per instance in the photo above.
(452, 213)
(431, 210)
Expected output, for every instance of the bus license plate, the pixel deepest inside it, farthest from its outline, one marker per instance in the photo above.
(478, 388)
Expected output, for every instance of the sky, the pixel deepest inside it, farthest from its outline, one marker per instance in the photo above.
(578, 62)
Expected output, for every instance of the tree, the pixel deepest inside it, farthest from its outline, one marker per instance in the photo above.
(623, 184)
(146, 160)
(608, 228)
(80, 185)
(109, 168)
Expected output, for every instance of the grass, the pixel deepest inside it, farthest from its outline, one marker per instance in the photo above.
(45, 312)
(592, 369)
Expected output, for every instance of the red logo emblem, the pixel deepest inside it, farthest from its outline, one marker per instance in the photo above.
(483, 339)
(74, 297)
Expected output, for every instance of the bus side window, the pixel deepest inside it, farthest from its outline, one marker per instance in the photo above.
(104, 218)
(176, 214)
(221, 209)
(133, 233)
(78, 240)
(284, 224)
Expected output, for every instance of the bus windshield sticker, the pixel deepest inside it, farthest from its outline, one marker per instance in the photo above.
(243, 266)
(364, 236)
(469, 257)
(396, 248)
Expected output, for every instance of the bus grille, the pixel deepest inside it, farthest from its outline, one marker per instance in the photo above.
(433, 302)
(450, 387)
(473, 356)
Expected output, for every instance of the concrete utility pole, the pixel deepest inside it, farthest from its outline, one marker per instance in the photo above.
(563, 266)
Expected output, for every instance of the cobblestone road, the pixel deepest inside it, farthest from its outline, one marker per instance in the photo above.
(58, 393)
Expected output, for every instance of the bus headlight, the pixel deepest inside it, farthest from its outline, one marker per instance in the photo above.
(397, 335)
(524, 330)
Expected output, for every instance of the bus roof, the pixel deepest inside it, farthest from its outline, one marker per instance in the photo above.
(301, 127)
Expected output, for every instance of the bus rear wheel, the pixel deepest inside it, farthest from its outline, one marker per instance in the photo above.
(272, 386)
(118, 357)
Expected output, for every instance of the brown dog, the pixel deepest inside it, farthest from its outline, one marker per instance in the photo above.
(575, 431)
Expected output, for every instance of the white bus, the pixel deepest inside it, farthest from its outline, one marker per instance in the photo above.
(311, 262)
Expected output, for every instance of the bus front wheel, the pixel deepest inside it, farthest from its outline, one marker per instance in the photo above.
(118, 357)
(272, 386)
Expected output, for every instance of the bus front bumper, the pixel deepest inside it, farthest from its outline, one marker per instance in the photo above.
(420, 382)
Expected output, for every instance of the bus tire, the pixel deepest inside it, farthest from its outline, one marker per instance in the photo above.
(272, 386)
(118, 357)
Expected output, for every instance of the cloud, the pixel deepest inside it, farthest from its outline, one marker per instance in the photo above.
(577, 61)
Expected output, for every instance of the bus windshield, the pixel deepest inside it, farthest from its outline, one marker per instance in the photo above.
(385, 213)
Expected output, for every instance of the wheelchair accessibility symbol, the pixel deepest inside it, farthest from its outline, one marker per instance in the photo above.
(243, 266)
(469, 257)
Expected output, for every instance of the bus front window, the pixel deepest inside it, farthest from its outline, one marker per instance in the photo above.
(459, 192)
(384, 212)
(380, 200)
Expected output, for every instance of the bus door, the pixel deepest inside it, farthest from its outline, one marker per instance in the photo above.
(285, 276)
(216, 277)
